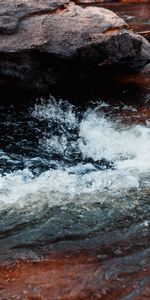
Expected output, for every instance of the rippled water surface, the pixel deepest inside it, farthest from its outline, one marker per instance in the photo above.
(75, 189)
(61, 163)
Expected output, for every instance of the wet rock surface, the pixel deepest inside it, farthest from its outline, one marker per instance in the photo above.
(115, 268)
(48, 44)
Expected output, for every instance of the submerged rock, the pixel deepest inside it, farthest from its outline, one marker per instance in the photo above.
(45, 44)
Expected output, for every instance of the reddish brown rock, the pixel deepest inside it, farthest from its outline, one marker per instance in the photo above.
(44, 44)
(77, 276)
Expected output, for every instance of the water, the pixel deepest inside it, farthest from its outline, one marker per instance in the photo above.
(74, 200)
(136, 14)
(69, 174)
(75, 191)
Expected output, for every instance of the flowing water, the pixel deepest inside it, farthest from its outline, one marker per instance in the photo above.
(75, 180)
(75, 195)
(70, 174)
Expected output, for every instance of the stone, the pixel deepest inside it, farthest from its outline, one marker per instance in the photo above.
(101, 1)
(43, 44)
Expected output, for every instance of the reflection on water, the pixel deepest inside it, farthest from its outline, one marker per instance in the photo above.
(136, 14)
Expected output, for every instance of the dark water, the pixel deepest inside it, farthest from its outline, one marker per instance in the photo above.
(69, 174)
(75, 184)
(75, 191)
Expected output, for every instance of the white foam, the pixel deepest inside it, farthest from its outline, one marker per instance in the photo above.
(128, 147)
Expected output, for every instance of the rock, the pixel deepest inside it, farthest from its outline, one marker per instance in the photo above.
(135, 1)
(84, 274)
(43, 44)
(100, 1)
(145, 34)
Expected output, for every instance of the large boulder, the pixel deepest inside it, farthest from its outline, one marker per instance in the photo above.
(44, 43)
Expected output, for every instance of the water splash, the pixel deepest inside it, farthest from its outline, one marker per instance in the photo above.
(84, 152)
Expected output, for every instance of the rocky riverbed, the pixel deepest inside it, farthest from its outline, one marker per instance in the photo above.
(74, 164)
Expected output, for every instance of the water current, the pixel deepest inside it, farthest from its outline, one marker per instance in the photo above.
(70, 174)
(75, 191)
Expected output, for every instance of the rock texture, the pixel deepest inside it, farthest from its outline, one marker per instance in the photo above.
(100, 1)
(45, 43)
(111, 271)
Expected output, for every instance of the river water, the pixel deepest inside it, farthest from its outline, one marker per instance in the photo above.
(75, 179)
(75, 195)
(135, 14)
